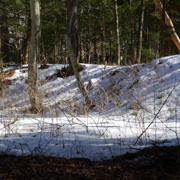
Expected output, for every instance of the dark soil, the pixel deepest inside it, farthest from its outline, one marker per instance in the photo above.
(65, 72)
(154, 163)
(43, 66)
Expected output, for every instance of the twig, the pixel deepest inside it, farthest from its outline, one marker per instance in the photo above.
(156, 114)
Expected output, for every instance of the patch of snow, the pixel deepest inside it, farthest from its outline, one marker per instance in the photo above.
(127, 99)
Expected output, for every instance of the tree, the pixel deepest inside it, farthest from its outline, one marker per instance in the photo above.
(117, 33)
(27, 41)
(33, 54)
(4, 32)
(53, 20)
(140, 32)
(73, 46)
(98, 25)
(169, 24)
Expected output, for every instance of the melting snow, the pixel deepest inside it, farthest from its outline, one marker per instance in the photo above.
(127, 98)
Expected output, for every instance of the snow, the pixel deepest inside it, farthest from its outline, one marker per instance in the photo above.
(128, 100)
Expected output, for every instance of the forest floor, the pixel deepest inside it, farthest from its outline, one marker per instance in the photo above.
(149, 163)
(136, 107)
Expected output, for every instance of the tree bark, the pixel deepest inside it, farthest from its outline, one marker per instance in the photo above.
(82, 58)
(140, 32)
(5, 43)
(118, 55)
(133, 46)
(73, 46)
(89, 43)
(89, 36)
(103, 53)
(4, 32)
(26, 54)
(33, 54)
(27, 40)
(169, 24)
(95, 50)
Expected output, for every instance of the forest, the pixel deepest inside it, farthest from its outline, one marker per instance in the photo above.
(101, 24)
(89, 89)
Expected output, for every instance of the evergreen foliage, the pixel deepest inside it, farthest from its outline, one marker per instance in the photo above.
(97, 29)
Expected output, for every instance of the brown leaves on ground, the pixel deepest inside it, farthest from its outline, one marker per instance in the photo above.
(7, 74)
(154, 163)
(4, 81)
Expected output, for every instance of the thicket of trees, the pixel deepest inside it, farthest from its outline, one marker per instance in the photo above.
(91, 31)
(111, 31)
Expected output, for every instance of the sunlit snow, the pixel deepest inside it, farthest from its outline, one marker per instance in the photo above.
(128, 100)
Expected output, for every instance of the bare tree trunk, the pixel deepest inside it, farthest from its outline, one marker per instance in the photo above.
(56, 43)
(89, 43)
(27, 41)
(118, 55)
(169, 24)
(89, 36)
(140, 32)
(103, 43)
(95, 50)
(163, 34)
(82, 51)
(110, 51)
(18, 41)
(4, 32)
(26, 54)
(5, 43)
(33, 53)
(133, 47)
(73, 46)
(86, 48)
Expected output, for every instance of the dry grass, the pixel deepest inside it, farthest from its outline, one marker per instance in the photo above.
(4, 81)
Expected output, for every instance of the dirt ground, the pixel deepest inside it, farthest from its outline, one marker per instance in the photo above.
(154, 163)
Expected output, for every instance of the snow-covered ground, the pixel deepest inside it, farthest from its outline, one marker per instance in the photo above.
(136, 106)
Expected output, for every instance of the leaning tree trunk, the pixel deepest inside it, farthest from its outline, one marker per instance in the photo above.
(117, 32)
(33, 53)
(140, 32)
(73, 45)
(169, 24)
